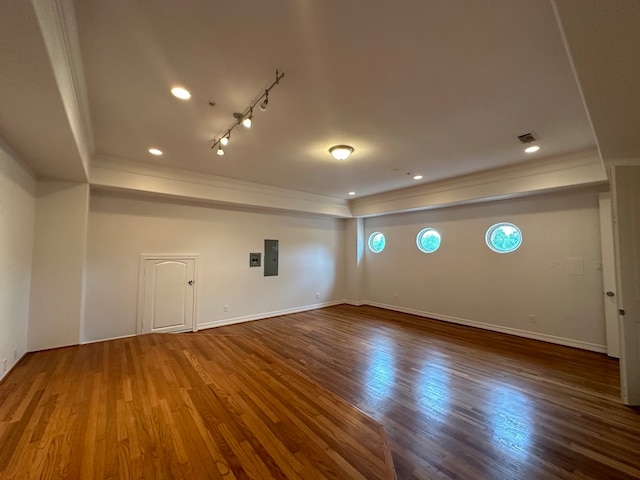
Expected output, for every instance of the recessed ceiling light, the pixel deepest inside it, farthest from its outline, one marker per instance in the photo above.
(532, 149)
(181, 93)
(341, 152)
(417, 177)
(155, 151)
(352, 193)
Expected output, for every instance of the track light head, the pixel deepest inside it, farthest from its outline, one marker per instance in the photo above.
(246, 121)
(265, 102)
(225, 140)
(220, 150)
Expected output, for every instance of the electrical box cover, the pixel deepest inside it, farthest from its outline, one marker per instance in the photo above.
(270, 258)
(254, 259)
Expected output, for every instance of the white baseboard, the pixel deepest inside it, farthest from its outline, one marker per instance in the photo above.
(355, 303)
(260, 316)
(446, 318)
(107, 339)
(568, 342)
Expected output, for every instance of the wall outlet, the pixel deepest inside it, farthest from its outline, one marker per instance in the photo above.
(395, 296)
(225, 308)
(317, 294)
(533, 319)
(4, 365)
(15, 353)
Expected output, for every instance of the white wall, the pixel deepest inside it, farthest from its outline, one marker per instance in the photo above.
(57, 280)
(122, 227)
(353, 267)
(17, 205)
(466, 282)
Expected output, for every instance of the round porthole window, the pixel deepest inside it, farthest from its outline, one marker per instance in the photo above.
(503, 237)
(376, 242)
(428, 240)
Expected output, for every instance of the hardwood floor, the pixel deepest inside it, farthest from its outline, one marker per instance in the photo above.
(188, 406)
(463, 403)
(270, 399)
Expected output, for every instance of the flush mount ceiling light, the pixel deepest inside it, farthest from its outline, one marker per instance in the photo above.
(181, 93)
(417, 177)
(246, 116)
(155, 151)
(341, 152)
(352, 194)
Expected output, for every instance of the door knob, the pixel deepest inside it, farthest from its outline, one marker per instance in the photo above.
(610, 294)
(191, 283)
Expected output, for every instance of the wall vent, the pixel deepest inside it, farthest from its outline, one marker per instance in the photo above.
(528, 137)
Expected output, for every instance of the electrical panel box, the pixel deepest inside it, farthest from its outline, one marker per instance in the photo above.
(270, 258)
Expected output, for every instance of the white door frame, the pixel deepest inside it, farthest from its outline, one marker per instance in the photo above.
(143, 257)
(609, 275)
(625, 193)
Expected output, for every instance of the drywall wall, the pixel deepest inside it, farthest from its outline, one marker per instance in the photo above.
(57, 279)
(555, 275)
(17, 206)
(122, 227)
(353, 267)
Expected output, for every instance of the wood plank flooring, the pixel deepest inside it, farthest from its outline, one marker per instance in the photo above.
(271, 399)
(463, 403)
(190, 406)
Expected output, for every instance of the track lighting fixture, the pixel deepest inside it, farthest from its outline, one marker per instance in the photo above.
(265, 102)
(246, 117)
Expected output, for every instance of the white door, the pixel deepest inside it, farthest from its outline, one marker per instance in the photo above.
(625, 183)
(609, 276)
(167, 299)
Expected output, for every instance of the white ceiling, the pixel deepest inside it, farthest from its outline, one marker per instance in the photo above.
(33, 120)
(434, 87)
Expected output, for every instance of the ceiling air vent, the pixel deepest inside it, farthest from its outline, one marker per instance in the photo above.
(528, 137)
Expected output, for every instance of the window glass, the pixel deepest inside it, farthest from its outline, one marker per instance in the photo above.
(503, 237)
(428, 240)
(376, 242)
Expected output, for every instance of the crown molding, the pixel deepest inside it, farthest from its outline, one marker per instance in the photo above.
(547, 175)
(623, 162)
(57, 22)
(119, 174)
(581, 169)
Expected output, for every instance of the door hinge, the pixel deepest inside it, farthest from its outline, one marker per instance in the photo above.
(621, 311)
